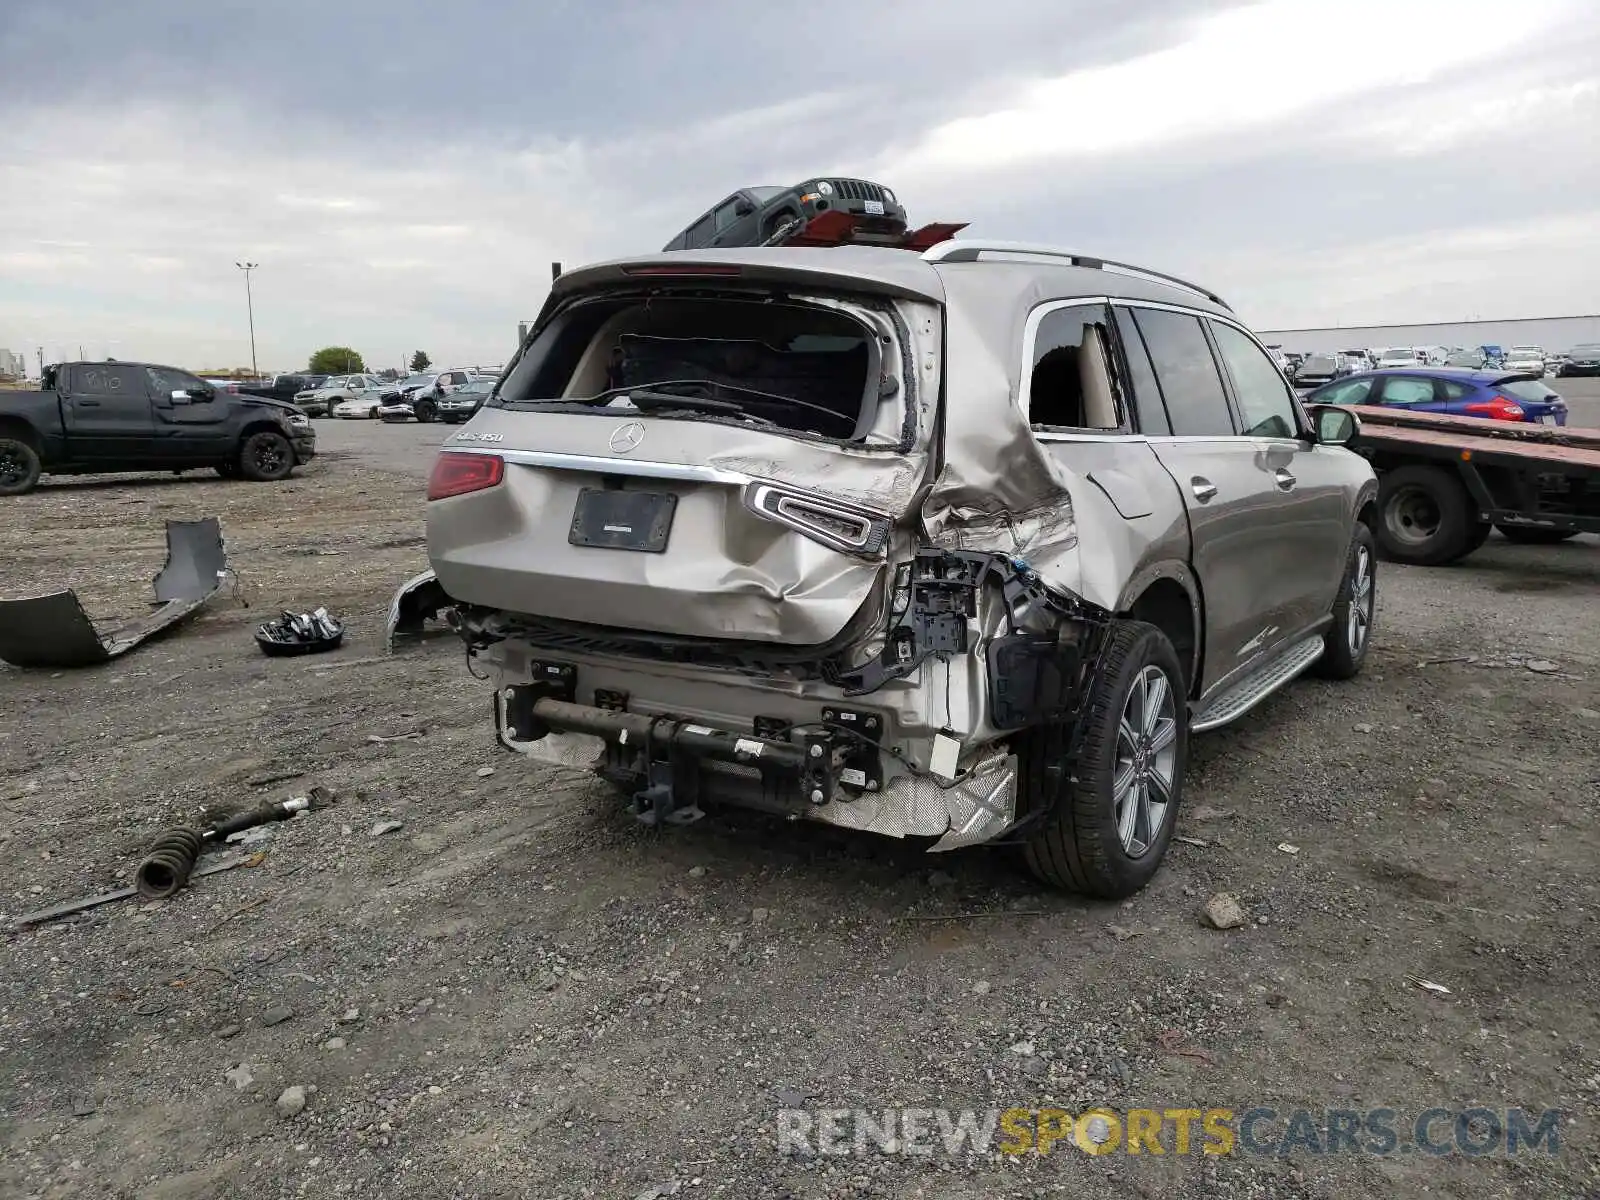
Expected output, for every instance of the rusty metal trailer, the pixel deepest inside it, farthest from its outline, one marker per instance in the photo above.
(1444, 483)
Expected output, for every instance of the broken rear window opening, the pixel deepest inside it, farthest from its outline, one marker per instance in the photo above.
(785, 365)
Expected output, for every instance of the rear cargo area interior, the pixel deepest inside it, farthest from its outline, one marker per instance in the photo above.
(819, 360)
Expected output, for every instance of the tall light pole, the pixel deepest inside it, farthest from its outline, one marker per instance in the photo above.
(250, 307)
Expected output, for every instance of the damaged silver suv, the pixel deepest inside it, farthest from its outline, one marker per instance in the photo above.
(960, 544)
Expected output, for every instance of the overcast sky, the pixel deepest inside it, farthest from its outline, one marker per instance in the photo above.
(405, 172)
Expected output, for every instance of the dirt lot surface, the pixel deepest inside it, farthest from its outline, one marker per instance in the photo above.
(523, 992)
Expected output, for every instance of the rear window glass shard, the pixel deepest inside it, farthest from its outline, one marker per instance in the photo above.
(1071, 385)
(792, 366)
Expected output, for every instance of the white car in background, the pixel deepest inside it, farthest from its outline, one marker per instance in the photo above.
(360, 397)
(1399, 356)
(1525, 358)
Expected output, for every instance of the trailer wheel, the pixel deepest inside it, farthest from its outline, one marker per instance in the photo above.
(1527, 535)
(1114, 815)
(1425, 516)
(19, 466)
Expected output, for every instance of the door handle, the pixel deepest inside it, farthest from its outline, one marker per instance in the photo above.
(1284, 480)
(1204, 489)
(82, 403)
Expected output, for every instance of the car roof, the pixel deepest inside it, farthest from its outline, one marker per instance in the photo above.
(894, 271)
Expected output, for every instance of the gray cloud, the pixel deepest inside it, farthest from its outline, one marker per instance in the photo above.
(406, 174)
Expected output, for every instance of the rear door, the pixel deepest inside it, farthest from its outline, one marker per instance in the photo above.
(1228, 491)
(190, 416)
(106, 407)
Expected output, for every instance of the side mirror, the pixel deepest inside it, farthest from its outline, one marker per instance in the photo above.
(743, 208)
(1334, 426)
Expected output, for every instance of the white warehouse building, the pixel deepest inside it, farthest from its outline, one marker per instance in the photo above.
(1552, 334)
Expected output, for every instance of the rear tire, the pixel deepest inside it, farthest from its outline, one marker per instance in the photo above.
(19, 466)
(1527, 536)
(423, 411)
(266, 457)
(1425, 516)
(1116, 808)
(1344, 646)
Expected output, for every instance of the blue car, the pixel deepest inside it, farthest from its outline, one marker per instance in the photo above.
(1494, 395)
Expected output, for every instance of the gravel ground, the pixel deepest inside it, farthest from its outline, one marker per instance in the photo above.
(521, 992)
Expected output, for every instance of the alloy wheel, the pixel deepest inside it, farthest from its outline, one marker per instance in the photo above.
(1363, 596)
(1147, 758)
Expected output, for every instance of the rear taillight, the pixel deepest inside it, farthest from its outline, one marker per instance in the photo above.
(1496, 407)
(457, 474)
(837, 526)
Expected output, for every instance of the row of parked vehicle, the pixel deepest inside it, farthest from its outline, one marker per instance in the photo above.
(1314, 370)
(451, 395)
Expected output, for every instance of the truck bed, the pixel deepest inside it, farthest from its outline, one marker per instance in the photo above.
(1558, 448)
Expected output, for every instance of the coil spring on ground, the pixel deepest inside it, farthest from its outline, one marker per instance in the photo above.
(167, 863)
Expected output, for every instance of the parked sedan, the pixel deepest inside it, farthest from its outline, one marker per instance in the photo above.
(1495, 395)
(467, 399)
(1526, 359)
(360, 397)
(1582, 360)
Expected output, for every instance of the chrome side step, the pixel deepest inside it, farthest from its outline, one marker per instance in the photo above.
(1257, 686)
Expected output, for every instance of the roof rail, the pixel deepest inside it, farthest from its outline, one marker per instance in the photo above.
(968, 250)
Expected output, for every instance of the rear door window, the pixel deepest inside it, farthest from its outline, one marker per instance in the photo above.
(701, 232)
(1190, 382)
(1147, 404)
(108, 379)
(1070, 384)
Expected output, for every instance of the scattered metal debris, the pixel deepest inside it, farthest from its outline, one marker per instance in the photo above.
(1428, 985)
(300, 633)
(379, 739)
(54, 631)
(171, 858)
(88, 902)
(1171, 1040)
(1286, 848)
(1192, 841)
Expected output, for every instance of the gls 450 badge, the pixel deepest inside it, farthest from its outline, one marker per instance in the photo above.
(479, 437)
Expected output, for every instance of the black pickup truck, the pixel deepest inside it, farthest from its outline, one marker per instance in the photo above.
(98, 417)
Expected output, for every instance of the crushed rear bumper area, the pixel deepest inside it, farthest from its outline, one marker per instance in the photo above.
(831, 771)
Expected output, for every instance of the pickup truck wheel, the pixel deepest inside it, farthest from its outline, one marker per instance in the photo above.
(266, 457)
(1116, 808)
(19, 467)
(1344, 646)
(1425, 516)
(423, 411)
(1529, 536)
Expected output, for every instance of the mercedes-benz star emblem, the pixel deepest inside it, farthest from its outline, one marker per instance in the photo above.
(627, 437)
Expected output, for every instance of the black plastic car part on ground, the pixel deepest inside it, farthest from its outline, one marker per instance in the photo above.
(314, 632)
(53, 630)
(754, 216)
(98, 417)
